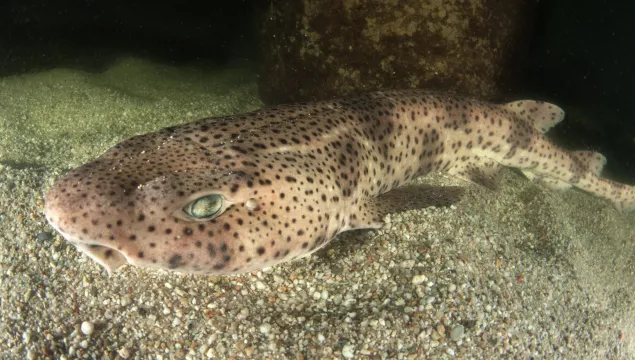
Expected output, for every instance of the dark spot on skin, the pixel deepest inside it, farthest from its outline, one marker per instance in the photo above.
(175, 261)
(187, 231)
(211, 250)
(261, 251)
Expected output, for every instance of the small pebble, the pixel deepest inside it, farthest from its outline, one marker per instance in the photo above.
(87, 327)
(44, 236)
(265, 328)
(418, 279)
(348, 351)
(441, 329)
(124, 353)
(457, 332)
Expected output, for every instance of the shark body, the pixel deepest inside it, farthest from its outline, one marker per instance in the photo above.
(234, 194)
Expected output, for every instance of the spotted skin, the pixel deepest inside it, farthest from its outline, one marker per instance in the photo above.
(294, 176)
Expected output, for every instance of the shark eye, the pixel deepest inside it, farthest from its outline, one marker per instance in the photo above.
(205, 207)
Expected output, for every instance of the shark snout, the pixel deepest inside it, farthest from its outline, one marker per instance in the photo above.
(72, 215)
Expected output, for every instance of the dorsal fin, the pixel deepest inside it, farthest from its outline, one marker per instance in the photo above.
(543, 116)
(591, 160)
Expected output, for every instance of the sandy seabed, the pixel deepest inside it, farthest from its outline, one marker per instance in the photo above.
(518, 273)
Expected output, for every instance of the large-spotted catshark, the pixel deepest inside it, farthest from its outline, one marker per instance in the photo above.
(234, 194)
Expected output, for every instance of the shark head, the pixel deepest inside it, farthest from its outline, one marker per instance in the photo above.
(192, 201)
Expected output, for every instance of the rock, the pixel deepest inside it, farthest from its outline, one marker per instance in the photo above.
(316, 50)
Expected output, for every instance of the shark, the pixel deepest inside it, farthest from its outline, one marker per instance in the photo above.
(234, 194)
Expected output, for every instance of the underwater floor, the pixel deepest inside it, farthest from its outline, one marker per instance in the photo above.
(520, 272)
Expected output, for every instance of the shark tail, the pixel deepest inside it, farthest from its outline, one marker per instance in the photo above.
(585, 166)
(626, 203)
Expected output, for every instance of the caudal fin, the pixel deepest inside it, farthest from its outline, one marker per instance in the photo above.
(621, 195)
(626, 205)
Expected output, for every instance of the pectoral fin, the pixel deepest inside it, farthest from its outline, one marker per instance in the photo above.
(478, 170)
(371, 212)
(546, 181)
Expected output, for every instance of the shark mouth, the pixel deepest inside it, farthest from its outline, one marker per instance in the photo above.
(110, 258)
